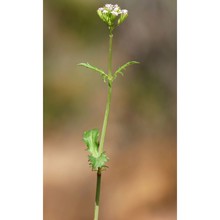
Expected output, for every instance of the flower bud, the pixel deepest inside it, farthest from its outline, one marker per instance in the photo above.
(123, 16)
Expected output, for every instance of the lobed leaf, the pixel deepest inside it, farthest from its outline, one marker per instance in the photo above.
(100, 71)
(90, 138)
(96, 160)
(123, 67)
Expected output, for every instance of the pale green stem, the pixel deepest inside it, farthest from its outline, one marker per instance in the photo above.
(104, 127)
(110, 53)
(105, 123)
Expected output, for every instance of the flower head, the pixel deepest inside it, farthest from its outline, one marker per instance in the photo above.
(112, 15)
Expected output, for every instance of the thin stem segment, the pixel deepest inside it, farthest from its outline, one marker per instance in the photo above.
(105, 123)
(110, 53)
(107, 110)
(104, 127)
(98, 188)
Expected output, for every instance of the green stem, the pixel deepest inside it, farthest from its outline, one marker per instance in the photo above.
(98, 188)
(104, 127)
(105, 123)
(107, 110)
(110, 53)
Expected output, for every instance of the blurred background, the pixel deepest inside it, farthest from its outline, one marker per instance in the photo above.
(140, 183)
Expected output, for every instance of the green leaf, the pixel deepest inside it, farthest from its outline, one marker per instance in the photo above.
(96, 160)
(90, 138)
(123, 67)
(100, 71)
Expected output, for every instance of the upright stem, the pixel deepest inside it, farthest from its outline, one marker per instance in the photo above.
(102, 139)
(110, 53)
(105, 123)
(97, 196)
(104, 127)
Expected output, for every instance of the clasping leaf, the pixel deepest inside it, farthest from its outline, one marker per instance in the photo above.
(96, 160)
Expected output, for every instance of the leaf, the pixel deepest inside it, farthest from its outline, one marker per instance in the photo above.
(96, 160)
(123, 67)
(90, 138)
(100, 71)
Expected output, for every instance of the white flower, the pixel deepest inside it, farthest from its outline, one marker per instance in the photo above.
(101, 9)
(124, 11)
(104, 11)
(114, 13)
(109, 6)
(116, 7)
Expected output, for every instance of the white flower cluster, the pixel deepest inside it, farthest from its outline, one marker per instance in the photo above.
(109, 14)
(113, 9)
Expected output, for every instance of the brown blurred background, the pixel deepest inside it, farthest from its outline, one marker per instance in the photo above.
(140, 183)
